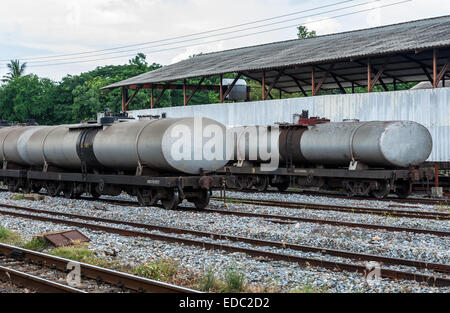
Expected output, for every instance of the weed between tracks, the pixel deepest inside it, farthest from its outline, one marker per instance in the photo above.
(36, 244)
(10, 237)
(164, 269)
(18, 196)
(233, 281)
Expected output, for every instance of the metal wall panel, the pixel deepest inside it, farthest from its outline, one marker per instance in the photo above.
(429, 107)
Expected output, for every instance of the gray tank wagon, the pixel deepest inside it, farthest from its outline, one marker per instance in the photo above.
(108, 158)
(143, 158)
(364, 158)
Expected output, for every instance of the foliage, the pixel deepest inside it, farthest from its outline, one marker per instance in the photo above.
(303, 32)
(162, 270)
(18, 196)
(10, 237)
(208, 282)
(37, 244)
(76, 253)
(16, 70)
(234, 280)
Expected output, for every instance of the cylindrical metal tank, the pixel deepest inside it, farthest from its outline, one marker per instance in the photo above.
(375, 143)
(174, 145)
(55, 145)
(13, 142)
(186, 145)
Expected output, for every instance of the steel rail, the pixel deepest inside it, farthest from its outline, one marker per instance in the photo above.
(440, 233)
(122, 280)
(33, 282)
(259, 242)
(444, 201)
(387, 273)
(340, 208)
(278, 218)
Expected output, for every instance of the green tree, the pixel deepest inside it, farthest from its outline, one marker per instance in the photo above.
(303, 32)
(28, 97)
(15, 70)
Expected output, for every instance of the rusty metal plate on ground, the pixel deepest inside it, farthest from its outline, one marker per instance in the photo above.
(64, 237)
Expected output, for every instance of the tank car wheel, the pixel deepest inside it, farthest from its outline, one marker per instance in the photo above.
(202, 201)
(243, 182)
(262, 183)
(403, 190)
(69, 193)
(53, 189)
(171, 201)
(28, 188)
(349, 191)
(95, 194)
(282, 186)
(145, 197)
(383, 191)
(36, 187)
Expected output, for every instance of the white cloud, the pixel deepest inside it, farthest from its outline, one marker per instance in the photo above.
(324, 27)
(61, 27)
(197, 50)
(374, 17)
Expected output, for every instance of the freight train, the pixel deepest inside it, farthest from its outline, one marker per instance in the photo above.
(164, 159)
(107, 158)
(371, 158)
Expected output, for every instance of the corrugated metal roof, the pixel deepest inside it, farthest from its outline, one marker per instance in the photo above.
(415, 35)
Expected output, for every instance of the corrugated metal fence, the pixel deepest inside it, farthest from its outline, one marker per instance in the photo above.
(430, 107)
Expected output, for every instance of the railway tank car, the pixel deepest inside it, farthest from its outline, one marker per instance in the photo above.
(364, 158)
(109, 157)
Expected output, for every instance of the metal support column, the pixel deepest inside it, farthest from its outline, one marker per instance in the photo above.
(221, 89)
(124, 98)
(184, 92)
(263, 85)
(435, 83)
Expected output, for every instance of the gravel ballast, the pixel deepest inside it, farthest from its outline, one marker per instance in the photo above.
(258, 271)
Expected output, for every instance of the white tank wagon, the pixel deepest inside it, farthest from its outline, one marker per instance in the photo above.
(375, 144)
(124, 146)
(171, 148)
(319, 153)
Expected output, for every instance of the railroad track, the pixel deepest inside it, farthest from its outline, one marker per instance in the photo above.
(329, 207)
(443, 201)
(166, 234)
(294, 219)
(20, 266)
(33, 282)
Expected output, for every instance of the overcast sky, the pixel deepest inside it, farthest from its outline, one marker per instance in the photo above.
(37, 28)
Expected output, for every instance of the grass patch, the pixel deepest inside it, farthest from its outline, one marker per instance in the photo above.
(208, 282)
(36, 244)
(81, 253)
(18, 196)
(10, 237)
(163, 270)
(77, 253)
(234, 280)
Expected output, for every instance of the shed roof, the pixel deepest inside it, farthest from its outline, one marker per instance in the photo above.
(378, 41)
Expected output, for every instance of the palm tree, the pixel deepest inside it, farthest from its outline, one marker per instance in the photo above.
(15, 70)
